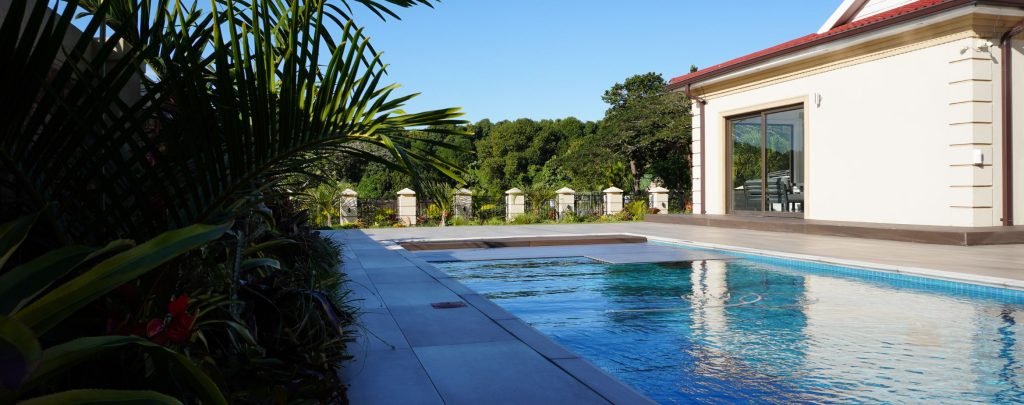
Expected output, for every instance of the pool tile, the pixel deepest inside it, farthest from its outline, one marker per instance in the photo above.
(428, 326)
(501, 373)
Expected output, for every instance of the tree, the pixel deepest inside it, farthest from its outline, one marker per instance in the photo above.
(646, 123)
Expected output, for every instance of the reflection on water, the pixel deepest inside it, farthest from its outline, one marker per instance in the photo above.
(740, 331)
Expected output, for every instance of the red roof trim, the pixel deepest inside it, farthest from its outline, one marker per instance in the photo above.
(913, 10)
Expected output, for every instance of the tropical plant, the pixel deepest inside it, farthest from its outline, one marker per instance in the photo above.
(442, 195)
(636, 209)
(538, 198)
(32, 304)
(236, 99)
(323, 201)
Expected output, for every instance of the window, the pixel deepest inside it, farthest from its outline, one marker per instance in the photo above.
(767, 160)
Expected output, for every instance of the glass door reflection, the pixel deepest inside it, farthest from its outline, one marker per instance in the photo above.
(768, 162)
(746, 163)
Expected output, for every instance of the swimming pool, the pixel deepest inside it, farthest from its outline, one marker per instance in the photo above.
(761, 329)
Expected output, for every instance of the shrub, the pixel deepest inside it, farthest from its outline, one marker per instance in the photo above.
(527, 219)
(636, 210)
(494, 221)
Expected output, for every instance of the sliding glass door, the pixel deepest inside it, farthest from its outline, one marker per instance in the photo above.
(767, 160)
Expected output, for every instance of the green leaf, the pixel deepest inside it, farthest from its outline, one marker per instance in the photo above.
(60, 358)
(68, 298)
(267, 246)
(12, 234)
(261, 262)
(20, 352)
(93, 396)
(26, 281)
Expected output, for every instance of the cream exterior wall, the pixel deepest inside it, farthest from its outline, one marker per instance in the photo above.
(892, 140)
(1018, 135)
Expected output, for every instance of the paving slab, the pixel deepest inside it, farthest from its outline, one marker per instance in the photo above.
(600, 381)
(545, 347)
(501, 373)
(418, 293)
(399, 274)
(389, 377)
(428, 326)
(378, 331)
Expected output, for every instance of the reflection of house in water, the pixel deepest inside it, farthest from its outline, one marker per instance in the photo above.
(850, 337)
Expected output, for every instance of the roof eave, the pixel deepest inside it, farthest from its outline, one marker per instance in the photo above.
(939, 8)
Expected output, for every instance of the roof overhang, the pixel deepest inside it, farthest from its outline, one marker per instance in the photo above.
(824, 44)
(843, 14)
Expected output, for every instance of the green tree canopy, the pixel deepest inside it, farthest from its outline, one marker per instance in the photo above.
(649, 126)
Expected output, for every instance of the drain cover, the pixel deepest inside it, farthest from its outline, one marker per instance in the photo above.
(448, 305)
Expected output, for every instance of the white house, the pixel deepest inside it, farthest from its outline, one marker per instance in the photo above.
(894, 112)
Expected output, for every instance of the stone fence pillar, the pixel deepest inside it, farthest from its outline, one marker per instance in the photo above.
(515, 203)
(658, 198)
(463, 204)
(407, 207)
(349, 206)
(612, 200)
(566, 201)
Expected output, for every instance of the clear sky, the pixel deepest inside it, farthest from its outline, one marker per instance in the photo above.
(554, 58)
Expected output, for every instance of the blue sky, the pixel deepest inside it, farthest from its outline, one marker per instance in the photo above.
(554, 58)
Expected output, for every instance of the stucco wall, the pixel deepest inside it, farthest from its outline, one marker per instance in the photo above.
(1018, 133)
(879, 146)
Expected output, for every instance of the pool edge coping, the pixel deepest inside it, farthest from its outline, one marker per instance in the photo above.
(942, 275)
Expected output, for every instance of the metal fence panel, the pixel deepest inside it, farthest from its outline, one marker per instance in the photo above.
(589, 204)
(378, 212)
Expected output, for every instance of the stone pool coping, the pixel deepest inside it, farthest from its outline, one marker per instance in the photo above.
(411, 352)
(908, 270)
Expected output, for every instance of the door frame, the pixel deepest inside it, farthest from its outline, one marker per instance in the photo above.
(729, 141)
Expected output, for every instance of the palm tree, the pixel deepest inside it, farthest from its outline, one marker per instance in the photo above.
(323, 201)
(235, 98)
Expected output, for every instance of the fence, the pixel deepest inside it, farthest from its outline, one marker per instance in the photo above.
(486, 208)
(378, 212)
(629, 198)
(466, 207)
(589, 204)
(543, 209)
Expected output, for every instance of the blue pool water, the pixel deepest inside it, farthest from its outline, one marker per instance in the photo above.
(769, 330)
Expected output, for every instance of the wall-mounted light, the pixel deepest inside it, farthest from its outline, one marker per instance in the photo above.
(817, 99)
(978, 158)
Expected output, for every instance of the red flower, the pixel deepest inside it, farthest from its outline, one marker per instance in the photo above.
(176, 327)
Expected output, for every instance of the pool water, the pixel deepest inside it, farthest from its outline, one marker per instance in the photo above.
(769, 331)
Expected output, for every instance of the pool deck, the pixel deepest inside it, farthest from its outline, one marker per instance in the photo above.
(411, 352)
(474, 352)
